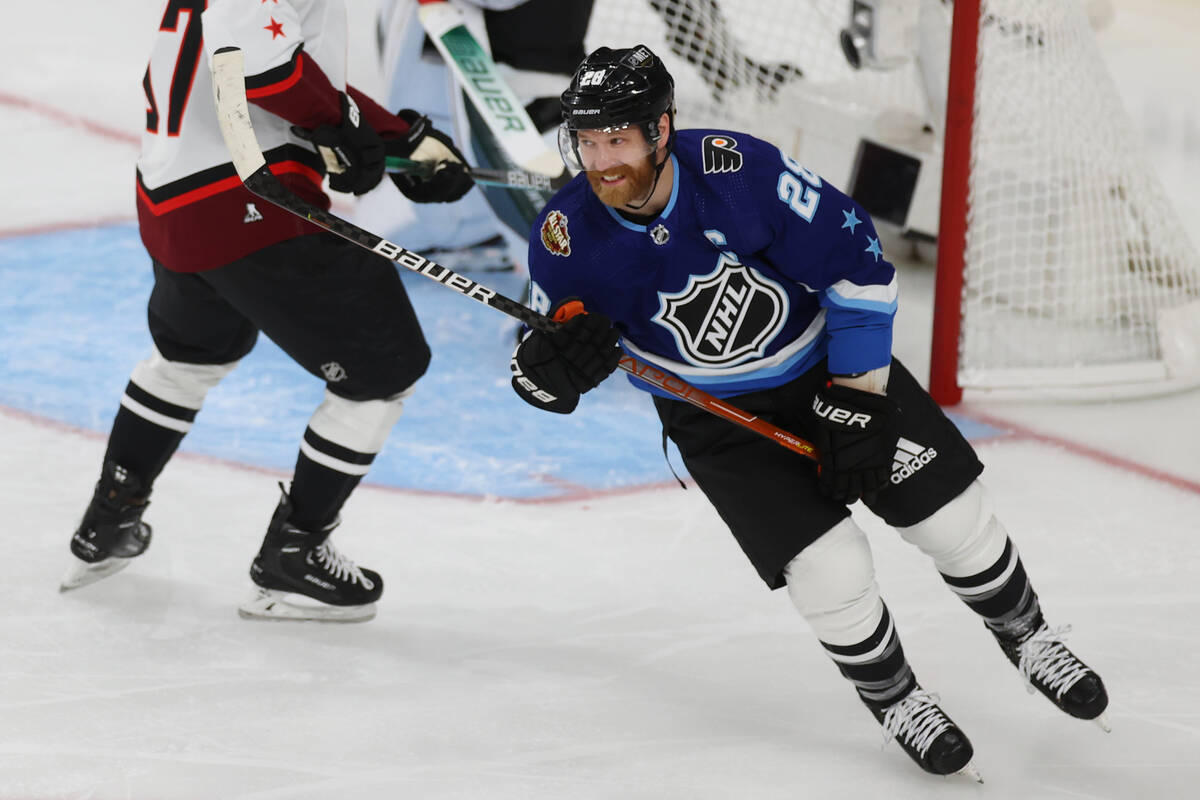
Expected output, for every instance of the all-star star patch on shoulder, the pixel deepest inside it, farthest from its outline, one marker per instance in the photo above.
(276, 29)
(555, 237)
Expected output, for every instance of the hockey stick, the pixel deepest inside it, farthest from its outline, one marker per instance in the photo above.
(513, 178)
(229, 91)
(500, 109)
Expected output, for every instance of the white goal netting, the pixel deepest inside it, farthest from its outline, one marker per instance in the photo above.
(1078, 276)
(1078, 272)
(773, 68)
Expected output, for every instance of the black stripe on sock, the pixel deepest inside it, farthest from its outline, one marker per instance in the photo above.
(867, 645)
(988, 575)
(335, 450)
(885, 678)
(158, 405)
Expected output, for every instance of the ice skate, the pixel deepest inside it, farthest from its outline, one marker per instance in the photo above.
(1049, 667)
(928, 736)
(111, 532)
(301, 576)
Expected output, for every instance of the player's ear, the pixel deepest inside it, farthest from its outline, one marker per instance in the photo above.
(664, 129)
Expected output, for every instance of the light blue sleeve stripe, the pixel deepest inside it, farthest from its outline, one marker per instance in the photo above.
(861, 305)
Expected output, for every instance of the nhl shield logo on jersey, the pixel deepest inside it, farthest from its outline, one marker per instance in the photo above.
(720, 154)
(554, 234)
(726, 317)
(659, 234)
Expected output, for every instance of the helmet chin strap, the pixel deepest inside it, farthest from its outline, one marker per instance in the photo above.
(658, 170)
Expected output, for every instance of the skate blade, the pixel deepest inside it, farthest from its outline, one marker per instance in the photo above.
(274, 605)
(969, 771)
(81, 573)
(1102, 721)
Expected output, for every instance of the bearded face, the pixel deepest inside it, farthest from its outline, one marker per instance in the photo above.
(623, 184)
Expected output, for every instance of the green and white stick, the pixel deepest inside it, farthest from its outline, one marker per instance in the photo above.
(502, 112)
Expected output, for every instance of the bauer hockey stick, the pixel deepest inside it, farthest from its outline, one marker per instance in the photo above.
(500, 109)
(229, 91)
(511, 178)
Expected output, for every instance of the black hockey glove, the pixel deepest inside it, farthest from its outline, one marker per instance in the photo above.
(551, 370)
(855, 435)
(423, 142)
(353, 152)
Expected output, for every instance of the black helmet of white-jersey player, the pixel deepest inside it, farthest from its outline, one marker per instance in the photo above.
(623, 94)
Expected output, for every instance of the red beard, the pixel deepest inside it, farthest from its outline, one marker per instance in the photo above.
(636, 186)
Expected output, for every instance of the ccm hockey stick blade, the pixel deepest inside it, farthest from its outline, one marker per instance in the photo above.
(491, 96)
(229, 91)
(511, 178)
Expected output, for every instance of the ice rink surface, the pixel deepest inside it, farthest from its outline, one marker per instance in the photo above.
(561, 620)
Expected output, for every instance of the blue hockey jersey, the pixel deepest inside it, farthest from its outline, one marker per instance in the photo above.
(755, 271)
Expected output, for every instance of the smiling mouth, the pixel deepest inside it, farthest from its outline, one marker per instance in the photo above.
(611, 179)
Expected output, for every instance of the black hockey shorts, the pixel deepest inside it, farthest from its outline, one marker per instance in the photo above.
(340, 312)
(768, 495)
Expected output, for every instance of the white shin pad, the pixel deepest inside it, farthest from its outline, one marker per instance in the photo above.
(176, 382)
(832, 584)
(963, 537)
(359, 425)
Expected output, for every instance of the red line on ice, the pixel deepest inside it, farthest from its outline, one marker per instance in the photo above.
(1020, 432)
(74, 120)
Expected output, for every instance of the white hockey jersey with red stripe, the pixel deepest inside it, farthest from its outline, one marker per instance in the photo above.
(193, 212)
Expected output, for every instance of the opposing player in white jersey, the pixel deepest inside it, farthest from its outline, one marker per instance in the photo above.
(715, 256)
(536, 45)
(228, 265)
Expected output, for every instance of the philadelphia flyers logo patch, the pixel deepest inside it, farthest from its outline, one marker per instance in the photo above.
(720, 154)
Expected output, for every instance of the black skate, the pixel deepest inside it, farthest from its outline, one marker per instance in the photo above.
(111, 532)
(928, 736)
(301, 576)
(1048, 666)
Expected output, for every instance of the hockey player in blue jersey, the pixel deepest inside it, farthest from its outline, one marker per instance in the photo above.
(715, 256)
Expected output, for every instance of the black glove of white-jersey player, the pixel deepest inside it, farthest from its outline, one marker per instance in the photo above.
(449, 180)
(353, 152)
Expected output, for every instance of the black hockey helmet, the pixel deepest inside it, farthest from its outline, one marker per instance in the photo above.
(612, 88)
(616, 88)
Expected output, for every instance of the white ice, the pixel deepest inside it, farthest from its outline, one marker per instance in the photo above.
(613, 648)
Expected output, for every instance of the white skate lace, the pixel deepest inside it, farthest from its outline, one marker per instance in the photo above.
(339, 566)
(916, 720)
(1043, 656)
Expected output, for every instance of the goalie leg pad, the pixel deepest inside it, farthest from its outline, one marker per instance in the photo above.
(832, 584)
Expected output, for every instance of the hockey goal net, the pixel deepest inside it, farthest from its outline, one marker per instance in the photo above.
(1063, 269)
